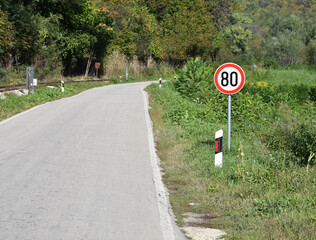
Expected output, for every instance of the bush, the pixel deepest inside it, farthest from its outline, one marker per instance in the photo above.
(275, 113)
(271, 63)
(302, 142)
(292, 136)
(195, 79)
(312, 93)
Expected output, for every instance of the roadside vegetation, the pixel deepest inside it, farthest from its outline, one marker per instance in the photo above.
(12, 104)
(15, 104)
(67, 37)
(266, 188)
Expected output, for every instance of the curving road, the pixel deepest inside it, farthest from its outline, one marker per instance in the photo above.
(83, 167)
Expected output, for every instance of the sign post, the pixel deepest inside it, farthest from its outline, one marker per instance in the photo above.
(229, 79)
(229, 111)
(126, 73)
(29, 79)
(97, 66)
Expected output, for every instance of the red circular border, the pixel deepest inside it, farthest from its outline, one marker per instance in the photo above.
(239, 69)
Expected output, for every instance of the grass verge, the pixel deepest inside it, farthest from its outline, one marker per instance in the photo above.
(15, 104)
(258, 194)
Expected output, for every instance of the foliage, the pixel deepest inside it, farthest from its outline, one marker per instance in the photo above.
(260, 103)
(53, 36)
(288, 27)
(189, 31)
(236, 34)
(6, 37)
(60, 37)
(194, 79)
(169, 30)
(136, 28)
(266, 188)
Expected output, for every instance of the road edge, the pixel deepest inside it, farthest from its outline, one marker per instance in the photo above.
(161, 193)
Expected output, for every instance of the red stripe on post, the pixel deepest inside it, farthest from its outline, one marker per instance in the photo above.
(216, 146)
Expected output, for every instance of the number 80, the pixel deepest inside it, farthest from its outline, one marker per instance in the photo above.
(232, 80)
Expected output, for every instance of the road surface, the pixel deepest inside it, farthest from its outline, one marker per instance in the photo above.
(83, 167)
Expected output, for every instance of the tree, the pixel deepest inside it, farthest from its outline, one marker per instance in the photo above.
(311, 52)
(189, 31)
(237, 34)
(6, 40)
(136, 28)
(86, 31)
(286, 47)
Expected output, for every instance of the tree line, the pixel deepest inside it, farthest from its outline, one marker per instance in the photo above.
(67, 36)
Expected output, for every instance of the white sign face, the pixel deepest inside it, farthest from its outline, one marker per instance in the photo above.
(229, 78)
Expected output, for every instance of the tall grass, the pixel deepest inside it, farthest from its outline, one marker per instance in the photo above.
(301, 75)
(116, 63)
(43, 71)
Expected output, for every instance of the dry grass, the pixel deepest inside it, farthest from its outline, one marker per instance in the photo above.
(116, 62)
(184, 185)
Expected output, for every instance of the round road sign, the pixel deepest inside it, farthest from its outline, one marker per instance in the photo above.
(229, 78)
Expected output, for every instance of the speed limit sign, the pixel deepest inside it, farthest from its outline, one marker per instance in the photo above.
(229, 78)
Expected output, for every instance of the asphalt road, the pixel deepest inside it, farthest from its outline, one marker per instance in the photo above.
(83, 167)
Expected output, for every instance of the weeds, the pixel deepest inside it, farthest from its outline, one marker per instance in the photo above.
(266, 187)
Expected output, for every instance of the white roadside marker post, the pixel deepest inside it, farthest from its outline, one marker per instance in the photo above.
(62, 85)
(219, 148)
(160, 82)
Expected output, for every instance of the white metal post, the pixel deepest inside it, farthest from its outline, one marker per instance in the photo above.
(228, 122)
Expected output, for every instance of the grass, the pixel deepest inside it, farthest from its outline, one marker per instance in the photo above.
(285, 76)
(15, 104)
(135, 78)
(262, 191)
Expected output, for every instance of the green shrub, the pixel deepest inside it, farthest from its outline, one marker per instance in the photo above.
(271, 63)
(195, 79)
(292, 136)
(312, 93)
(302, 142)
(278, 114)
(266, 180)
